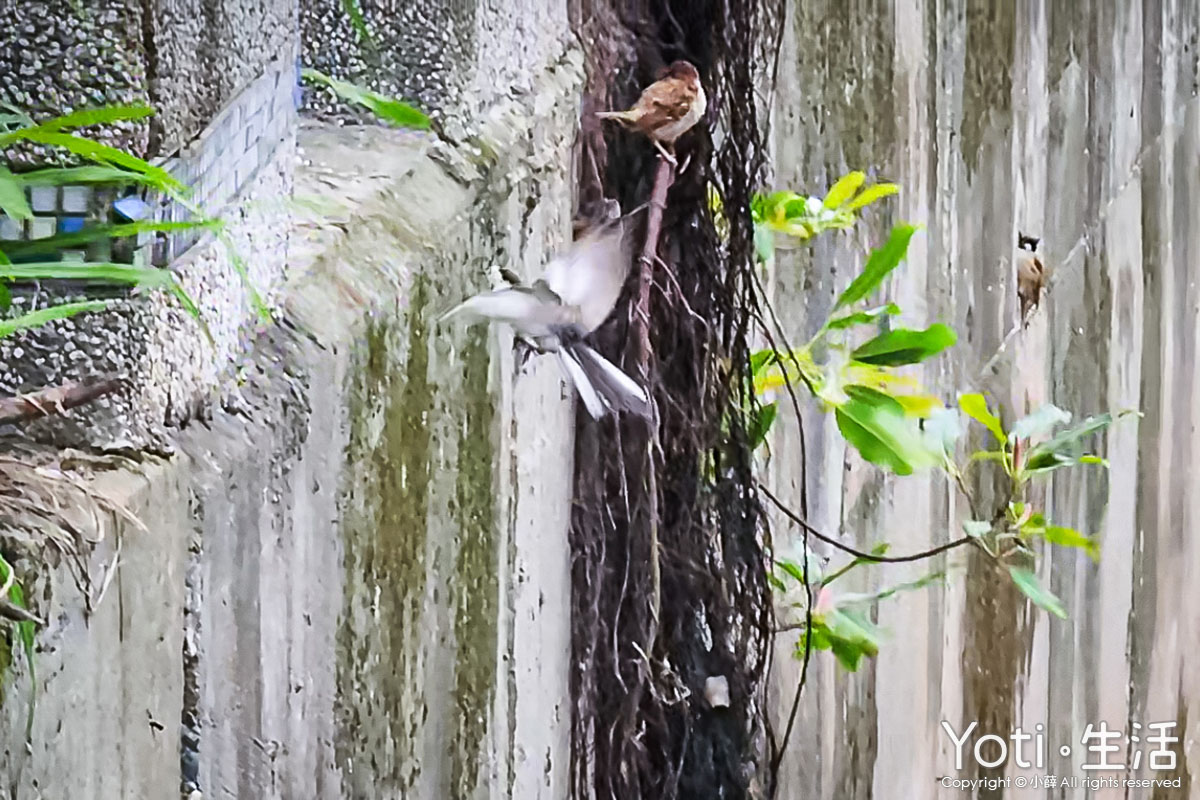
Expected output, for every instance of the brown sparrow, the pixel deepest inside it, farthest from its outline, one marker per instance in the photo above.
(667, 108)
(1031, 275)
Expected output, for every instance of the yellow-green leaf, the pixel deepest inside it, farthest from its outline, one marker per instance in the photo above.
(35, 319)
(881, 261)
(1069, 537)
(871, 194)
(975, 406)
(844, 189)
(386, 108)
(1027, 581)
(12, 196)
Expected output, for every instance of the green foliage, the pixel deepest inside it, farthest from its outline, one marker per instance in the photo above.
(801, 217)
(358, 22)
(12, 196)
(35, 319)
(894, 423)
(25, 632)
(877, 408)
(841, 622)
(388, 109)
(110, 165)
(879, 428)
(879, 264)
(1027, 581)
(904, 346)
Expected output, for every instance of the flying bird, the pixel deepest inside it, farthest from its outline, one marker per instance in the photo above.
(1031, 275)
(667, 108)
(574, 296)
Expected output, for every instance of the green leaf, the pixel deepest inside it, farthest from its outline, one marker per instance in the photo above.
(101, 153)
(844, 189)
(1043, 420)
(987, 455)
(105, 115)
(35, 319)
(762, 359)
(243, 271)
(25, 630)
(1027, 581)
(5, 298)
(881, 261)
(976, 528)
(760, 424)
(791, 568)
(764, 243)
(12, 196)
(1069, 537)
(94, 173)
(1063, 449)
(905, 346)
(861, 317)
(975, 407)
(871, 194)
(100, 272)
(53, 244)
(876, 425)
(851, 636)
(386, 108)
(358, 22)
(868, 598)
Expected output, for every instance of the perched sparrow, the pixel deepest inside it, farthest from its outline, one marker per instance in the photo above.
(573, 297)
(667, 109)
(1031, 275)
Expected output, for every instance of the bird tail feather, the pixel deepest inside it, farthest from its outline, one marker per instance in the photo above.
(583, 385)
(616, 389)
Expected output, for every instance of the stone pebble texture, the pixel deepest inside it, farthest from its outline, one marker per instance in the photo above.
(226, 127)
(452, 58)
(55, 58)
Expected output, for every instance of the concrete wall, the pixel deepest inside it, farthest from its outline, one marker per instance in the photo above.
(1078, 123)
(356, 539)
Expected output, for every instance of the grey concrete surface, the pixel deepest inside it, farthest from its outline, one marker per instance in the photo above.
(344, 587)
(1078, 123)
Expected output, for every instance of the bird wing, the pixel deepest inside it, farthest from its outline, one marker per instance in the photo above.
(528, 310)
(664, 102)
(589, 276)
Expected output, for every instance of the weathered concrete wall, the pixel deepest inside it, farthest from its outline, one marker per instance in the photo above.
(1078, 123)
(356, 561)
(342, 589)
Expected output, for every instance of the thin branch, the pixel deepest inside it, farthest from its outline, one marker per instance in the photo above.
(796, 518)
(663, 179)
(55, 399)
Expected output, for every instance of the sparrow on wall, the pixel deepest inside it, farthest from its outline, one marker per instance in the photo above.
(1031, 275)
(574, 296)
(667, 108)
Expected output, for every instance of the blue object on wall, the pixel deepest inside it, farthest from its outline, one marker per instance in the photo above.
(132, 208)
(71, 224)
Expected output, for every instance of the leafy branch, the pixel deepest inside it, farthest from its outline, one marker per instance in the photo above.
(853, 366)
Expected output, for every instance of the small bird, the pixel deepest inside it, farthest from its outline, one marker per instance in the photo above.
(1031, 275)
(574, 296)
(667, 108)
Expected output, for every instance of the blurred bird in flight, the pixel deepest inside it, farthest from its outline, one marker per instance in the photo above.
(1031, 275)
(574, 296)
(667, 108)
